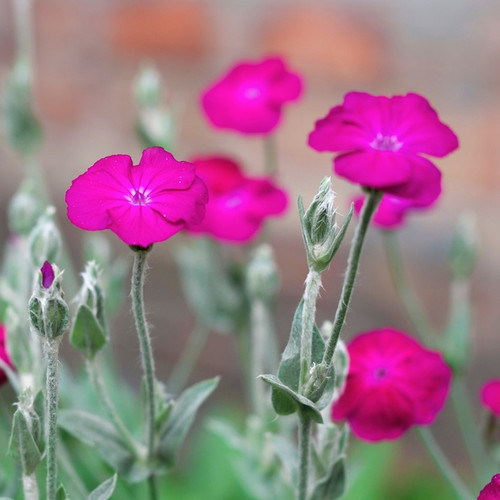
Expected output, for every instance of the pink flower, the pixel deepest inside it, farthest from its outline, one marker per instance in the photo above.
(381, 140)
(48, 275)
(238, 204)
(4, 356)
(142, 204)
(490, 396)
(250, 96)
(392, 384)
(492, 490)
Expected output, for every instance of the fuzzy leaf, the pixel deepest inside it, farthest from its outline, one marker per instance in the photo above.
(61, 493)
(104, 490)
(87, 334)
(284, 397)
(100, 434)
(332, 485)
(22, 445)
(181, 418)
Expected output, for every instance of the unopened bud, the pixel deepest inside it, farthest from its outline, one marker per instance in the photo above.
(24, 210)
(322, 236)
(464, 247)
(44, 239)
(261, 275)
(147, 87)
(48, 311)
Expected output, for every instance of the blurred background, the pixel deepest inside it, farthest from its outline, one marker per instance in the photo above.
(87, 55)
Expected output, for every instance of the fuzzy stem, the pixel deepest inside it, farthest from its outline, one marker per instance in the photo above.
(270, 155)
(443, 464)
(304, 453)
(406, 294)
(30, 487)
(189, 356)
(51, 347)
(147, 360)
(97, 382)
(372, 200)
(313, 285)
(260, 331)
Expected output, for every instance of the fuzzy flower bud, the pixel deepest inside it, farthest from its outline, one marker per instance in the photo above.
(464, 247)
(322, 236)
(261, 275)
(48, 311)
(24, 209)
(44, 239)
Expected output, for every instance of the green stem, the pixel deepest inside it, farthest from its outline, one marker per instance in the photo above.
(153, 488)
(304, 453)
(443, 464)
(147, 360)
(97, 382)
(371, 202)
(30, 487)
(187, 361)
(270, 155)
(469, 428)
(405, 292)
(51, 405)
(313, 285)
(260, 331)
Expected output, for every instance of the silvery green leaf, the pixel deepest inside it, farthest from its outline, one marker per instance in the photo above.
(181, 418)
(332, 484)
(104, 490)
(22, 444)
(87, 334)
(61, 493)
(100, 434)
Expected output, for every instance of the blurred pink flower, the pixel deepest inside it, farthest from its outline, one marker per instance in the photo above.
(250, 96)
(492, 490)
(490, 396)
(4, 356)
(238, 205)
(142, 204)
(381, 140)
(393, 383)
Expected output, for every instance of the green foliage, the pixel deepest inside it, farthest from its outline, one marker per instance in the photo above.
(180, 419)
(87, 334)
(104, 490)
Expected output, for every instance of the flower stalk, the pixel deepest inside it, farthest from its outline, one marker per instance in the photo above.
(304, 454)
(372, 201)
(147, 360)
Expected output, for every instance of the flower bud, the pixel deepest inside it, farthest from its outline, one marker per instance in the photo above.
(24, 210)
(147, 87)
(464, 247)
(44, 239)
(261, 275)
(48, 311)
(322, 236)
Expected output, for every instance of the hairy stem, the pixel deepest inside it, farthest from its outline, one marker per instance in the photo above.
(147, 360)
(369, 207)
(313, 285)
(304, 454)
(51, 405)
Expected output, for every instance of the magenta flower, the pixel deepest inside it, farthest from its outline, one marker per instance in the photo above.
(249, 98)
(238, 204)
(492, 490)
(4, 356)
(393, 383)
(490, 396)
(142, 204)
(381, 140)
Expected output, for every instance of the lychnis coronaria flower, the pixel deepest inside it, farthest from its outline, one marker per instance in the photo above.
(250, 96)
(490, 396)
(492, 490)
(238, 204)
(393, 383)
(4, 356)
(142, 204)
(382, 140)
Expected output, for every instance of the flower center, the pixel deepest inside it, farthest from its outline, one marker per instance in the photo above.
(252, 93)
(139, 197)
(386, 143)
(379, 373)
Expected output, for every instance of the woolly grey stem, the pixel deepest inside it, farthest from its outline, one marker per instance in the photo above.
(304, 451)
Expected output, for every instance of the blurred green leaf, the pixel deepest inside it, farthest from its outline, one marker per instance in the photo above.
(61, 493)
(181, 418)
(87, 334)
(104, 490)
(332, 485)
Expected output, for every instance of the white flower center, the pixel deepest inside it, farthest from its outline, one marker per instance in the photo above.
(139, 196)
(386, 143)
